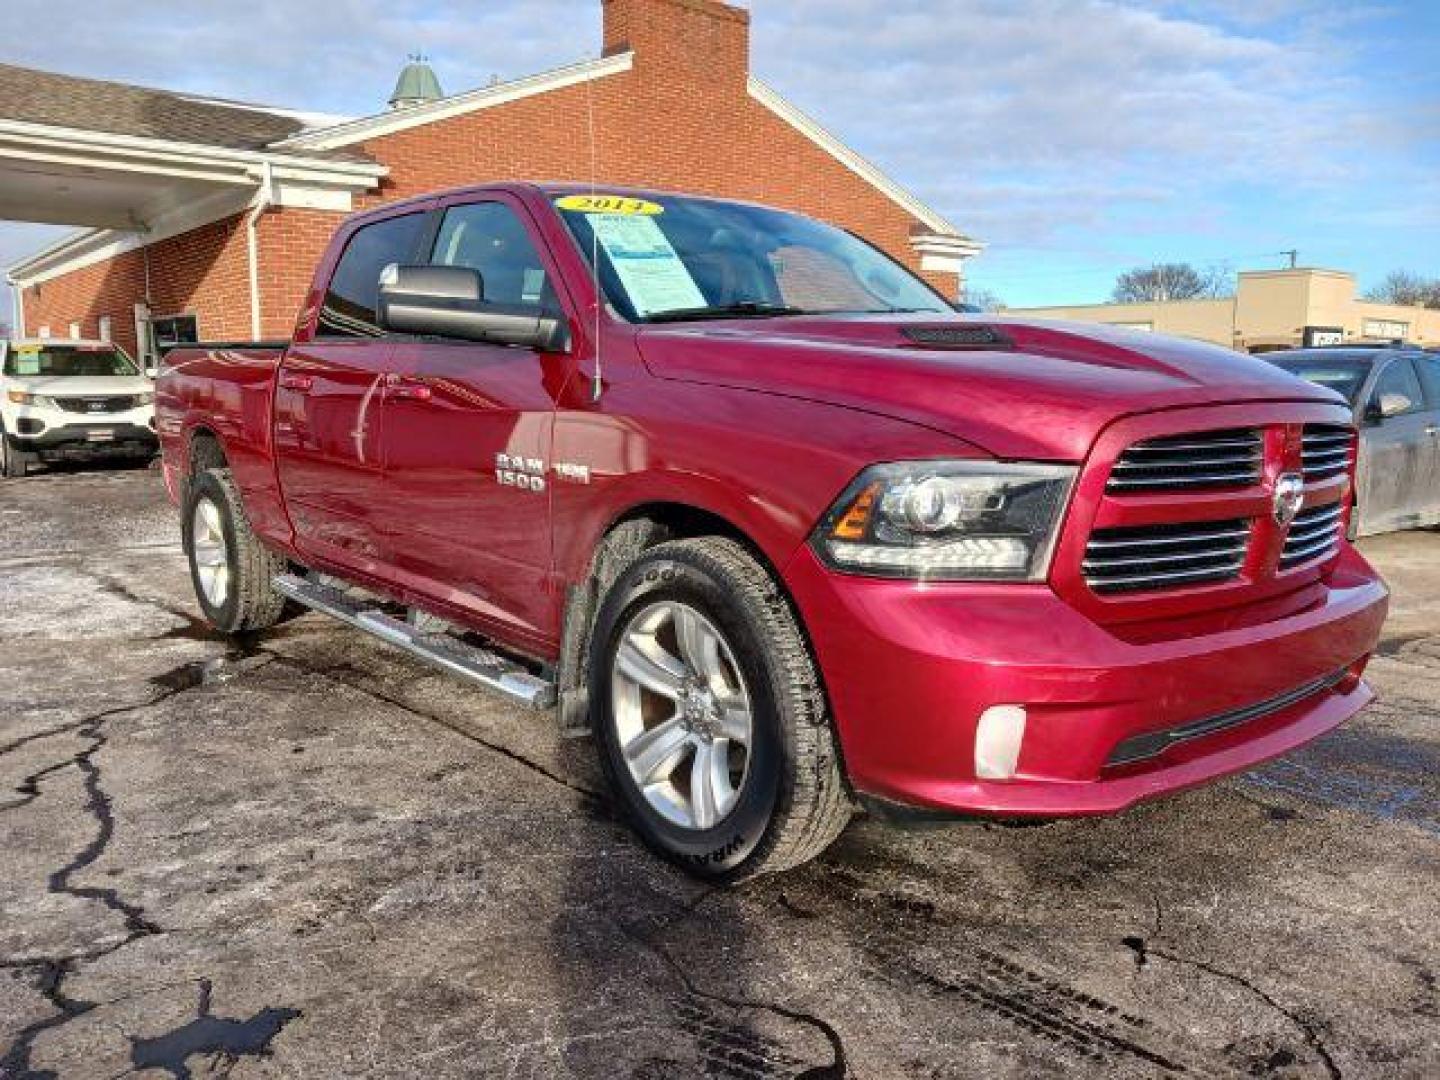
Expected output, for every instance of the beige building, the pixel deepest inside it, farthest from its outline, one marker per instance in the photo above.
(1271, 309)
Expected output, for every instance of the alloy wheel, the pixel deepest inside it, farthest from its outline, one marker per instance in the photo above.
(682, 714)
(210, 552)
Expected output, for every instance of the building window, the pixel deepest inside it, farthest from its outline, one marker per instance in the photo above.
(105, 329)
(74, 331)
(175, 330)
(1385, 329)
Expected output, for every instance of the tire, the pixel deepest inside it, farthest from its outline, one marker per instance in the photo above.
(787, 801)
(248, 601)
(14, 462)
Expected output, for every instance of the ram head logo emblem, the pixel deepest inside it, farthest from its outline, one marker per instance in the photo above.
(1289, 495)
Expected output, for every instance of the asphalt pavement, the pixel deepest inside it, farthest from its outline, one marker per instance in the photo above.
(309, 856)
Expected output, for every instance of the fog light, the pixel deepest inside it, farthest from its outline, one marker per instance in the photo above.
(997, 742)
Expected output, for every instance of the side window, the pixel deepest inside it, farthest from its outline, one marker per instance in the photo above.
(354, 291)
(1398, 390)
(490, 238)
(1430, 375)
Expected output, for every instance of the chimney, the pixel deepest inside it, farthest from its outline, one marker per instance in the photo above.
(704, 40)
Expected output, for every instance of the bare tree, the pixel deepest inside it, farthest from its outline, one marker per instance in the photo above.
(1408, 288)
(981, 299)
(1170, 281)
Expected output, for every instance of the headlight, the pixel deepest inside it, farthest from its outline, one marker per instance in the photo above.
(947, 521)
(39, 401)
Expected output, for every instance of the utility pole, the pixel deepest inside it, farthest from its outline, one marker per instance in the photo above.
(1292, 254)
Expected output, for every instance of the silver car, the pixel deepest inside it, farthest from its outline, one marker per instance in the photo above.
(1395, 393)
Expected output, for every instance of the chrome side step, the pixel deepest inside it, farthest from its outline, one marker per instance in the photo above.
(488, 669)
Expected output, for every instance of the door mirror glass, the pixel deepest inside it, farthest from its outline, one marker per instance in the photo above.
(1394, 404)
(449, 301)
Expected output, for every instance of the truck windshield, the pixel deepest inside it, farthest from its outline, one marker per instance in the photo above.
(675, 259)
(59, 361)
(1343, 374)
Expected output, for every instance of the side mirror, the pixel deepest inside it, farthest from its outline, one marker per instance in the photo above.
(449, 301)
(1386, 406)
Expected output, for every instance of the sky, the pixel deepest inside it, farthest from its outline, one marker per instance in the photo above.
(1074, 138)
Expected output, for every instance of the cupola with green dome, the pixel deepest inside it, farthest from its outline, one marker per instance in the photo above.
(417, 85)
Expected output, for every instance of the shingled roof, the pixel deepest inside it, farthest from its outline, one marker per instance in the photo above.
(44, 97)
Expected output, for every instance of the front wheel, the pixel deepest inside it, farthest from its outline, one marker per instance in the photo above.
(233, 572)
(14, 462)
(709, 714)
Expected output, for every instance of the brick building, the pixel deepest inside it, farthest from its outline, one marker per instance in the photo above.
(209, 215)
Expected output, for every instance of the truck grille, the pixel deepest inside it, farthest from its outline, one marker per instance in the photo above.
(1325, 450)
(1165, 556)
(1314, 534)
(96, 405)
(1229, 458)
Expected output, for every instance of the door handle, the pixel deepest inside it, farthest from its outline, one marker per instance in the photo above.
(297, 381)
(406, 388)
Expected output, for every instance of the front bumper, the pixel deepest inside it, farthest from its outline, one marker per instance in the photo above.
(910, 668)
(122, 437)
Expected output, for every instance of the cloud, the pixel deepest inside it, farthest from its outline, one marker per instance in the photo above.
(328, 55)
(1034, 124)
(1083, 103)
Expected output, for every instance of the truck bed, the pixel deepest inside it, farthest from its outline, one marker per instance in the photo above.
(226, 388)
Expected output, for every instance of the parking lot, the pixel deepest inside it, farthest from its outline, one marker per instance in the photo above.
(310, 856)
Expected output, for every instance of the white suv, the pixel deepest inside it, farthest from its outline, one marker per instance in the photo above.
(64, 399)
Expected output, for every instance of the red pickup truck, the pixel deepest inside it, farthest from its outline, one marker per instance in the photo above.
(737, 493)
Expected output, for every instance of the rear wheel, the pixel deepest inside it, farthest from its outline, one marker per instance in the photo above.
(709, 714)
(233, 572)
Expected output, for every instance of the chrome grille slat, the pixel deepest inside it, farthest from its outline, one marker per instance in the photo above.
(1160, 446)
(1172, 555)
(1187, 538)
(1233, 460)
(1174, 577)
(1225, 458)
(1314, 534)
(1201, 480)
(1235, 551)
(1325, 450)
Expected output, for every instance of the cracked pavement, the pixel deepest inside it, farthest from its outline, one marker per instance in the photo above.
(310, 856)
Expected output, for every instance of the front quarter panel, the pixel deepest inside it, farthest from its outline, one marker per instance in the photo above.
(768, 465)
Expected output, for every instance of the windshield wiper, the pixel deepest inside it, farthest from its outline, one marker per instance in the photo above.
(745, 309)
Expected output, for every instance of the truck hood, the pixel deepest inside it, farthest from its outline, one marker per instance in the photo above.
(80, 385)
(1040, 391)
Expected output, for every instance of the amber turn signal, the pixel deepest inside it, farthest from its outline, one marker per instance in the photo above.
(853, 522)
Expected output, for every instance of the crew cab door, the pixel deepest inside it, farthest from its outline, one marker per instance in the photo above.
(327, 415)
(467, 437)
(1400, 464)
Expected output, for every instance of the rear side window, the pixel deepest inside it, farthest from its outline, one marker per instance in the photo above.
(1430, 375)
(490, 238)
(354, 292)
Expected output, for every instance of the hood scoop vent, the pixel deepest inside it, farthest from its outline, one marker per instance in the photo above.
(957, 337)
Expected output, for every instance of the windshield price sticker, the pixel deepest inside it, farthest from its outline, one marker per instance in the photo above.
(610, 204)
(648, 267)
